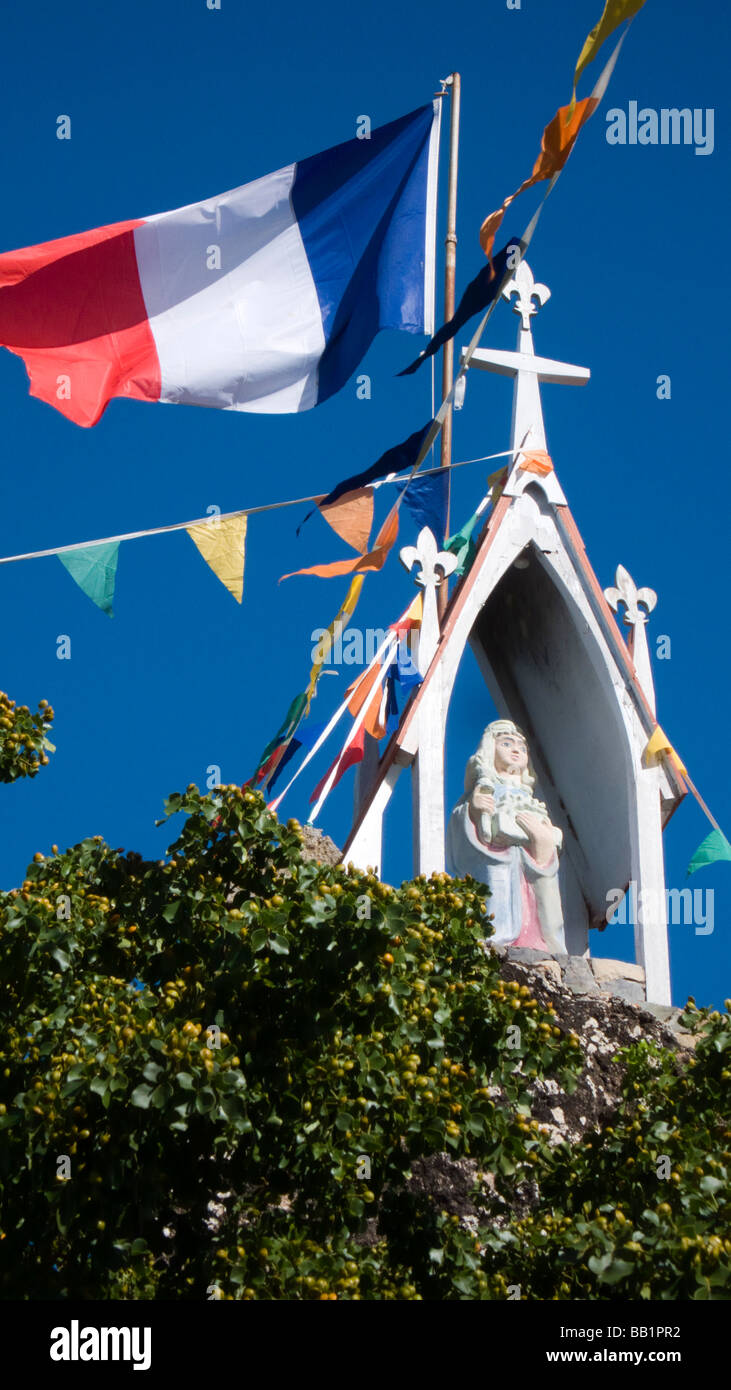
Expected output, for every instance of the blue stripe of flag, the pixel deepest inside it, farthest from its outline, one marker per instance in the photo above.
(361, 209)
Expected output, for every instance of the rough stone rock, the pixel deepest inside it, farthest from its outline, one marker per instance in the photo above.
(578, 976)
(668, 1013)
(687, 1040)
(604, 1023)
(526, 955)
(316, 845)
(625, 989)
(550, 967)
(606, 970)
(449, 1182)
(582, 974)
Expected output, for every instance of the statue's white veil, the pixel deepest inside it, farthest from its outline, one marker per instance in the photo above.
(481, 767)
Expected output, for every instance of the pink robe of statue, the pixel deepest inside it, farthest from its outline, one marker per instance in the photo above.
(525, 898)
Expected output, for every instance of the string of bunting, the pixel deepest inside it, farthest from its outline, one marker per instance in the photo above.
(220, 539)
(559, 138)
(288, 739)
(614, 14)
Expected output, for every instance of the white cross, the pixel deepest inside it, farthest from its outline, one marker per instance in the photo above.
(527, 428)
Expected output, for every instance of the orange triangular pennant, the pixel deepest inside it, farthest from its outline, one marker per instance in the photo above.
(360, 689)
(374, 559)
(375, 720)
(351, 517)
(558, 140)
(538, 462)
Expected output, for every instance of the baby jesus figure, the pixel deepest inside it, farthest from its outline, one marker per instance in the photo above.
(499, 834)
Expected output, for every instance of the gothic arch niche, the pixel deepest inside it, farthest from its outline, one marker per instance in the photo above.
(554, 659)
(539, 673)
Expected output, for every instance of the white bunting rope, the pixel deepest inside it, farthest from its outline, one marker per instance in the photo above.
(389, 647)
(427, 472)
(227, 516)
(389, 638)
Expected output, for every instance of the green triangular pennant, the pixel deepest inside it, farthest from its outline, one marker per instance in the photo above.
(94, 568)
(714, 848)
(462, 545)
(286, 730)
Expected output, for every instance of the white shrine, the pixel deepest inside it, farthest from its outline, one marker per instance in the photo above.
(555, 662)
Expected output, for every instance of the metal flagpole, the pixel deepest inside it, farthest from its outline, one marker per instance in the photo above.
(450, 264)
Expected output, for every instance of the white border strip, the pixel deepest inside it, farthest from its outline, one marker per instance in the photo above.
(430, 241)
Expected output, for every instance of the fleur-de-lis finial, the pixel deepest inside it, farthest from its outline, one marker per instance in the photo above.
(626, 592)
(435, 564)
(527, 289)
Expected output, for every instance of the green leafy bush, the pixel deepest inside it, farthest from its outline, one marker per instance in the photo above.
(242, 1024)
(24, 744)
(641, 1210)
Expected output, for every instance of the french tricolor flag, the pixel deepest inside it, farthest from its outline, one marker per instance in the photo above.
(265, 298)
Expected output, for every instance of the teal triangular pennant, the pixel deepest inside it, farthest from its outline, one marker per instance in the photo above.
(94, 567)
(287, 729)
(462, 545)
(714, 848)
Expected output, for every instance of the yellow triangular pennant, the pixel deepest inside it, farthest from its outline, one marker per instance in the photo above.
(415, 610)
(325, 645)
(615, 11)
(222, 543)
(658, 744)
(496, 484)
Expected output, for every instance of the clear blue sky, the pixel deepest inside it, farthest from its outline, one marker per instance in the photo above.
(171, 102)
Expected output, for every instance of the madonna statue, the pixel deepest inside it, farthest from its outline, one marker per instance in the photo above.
(499, 834)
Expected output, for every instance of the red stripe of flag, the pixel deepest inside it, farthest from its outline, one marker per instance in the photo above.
(73, 308)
